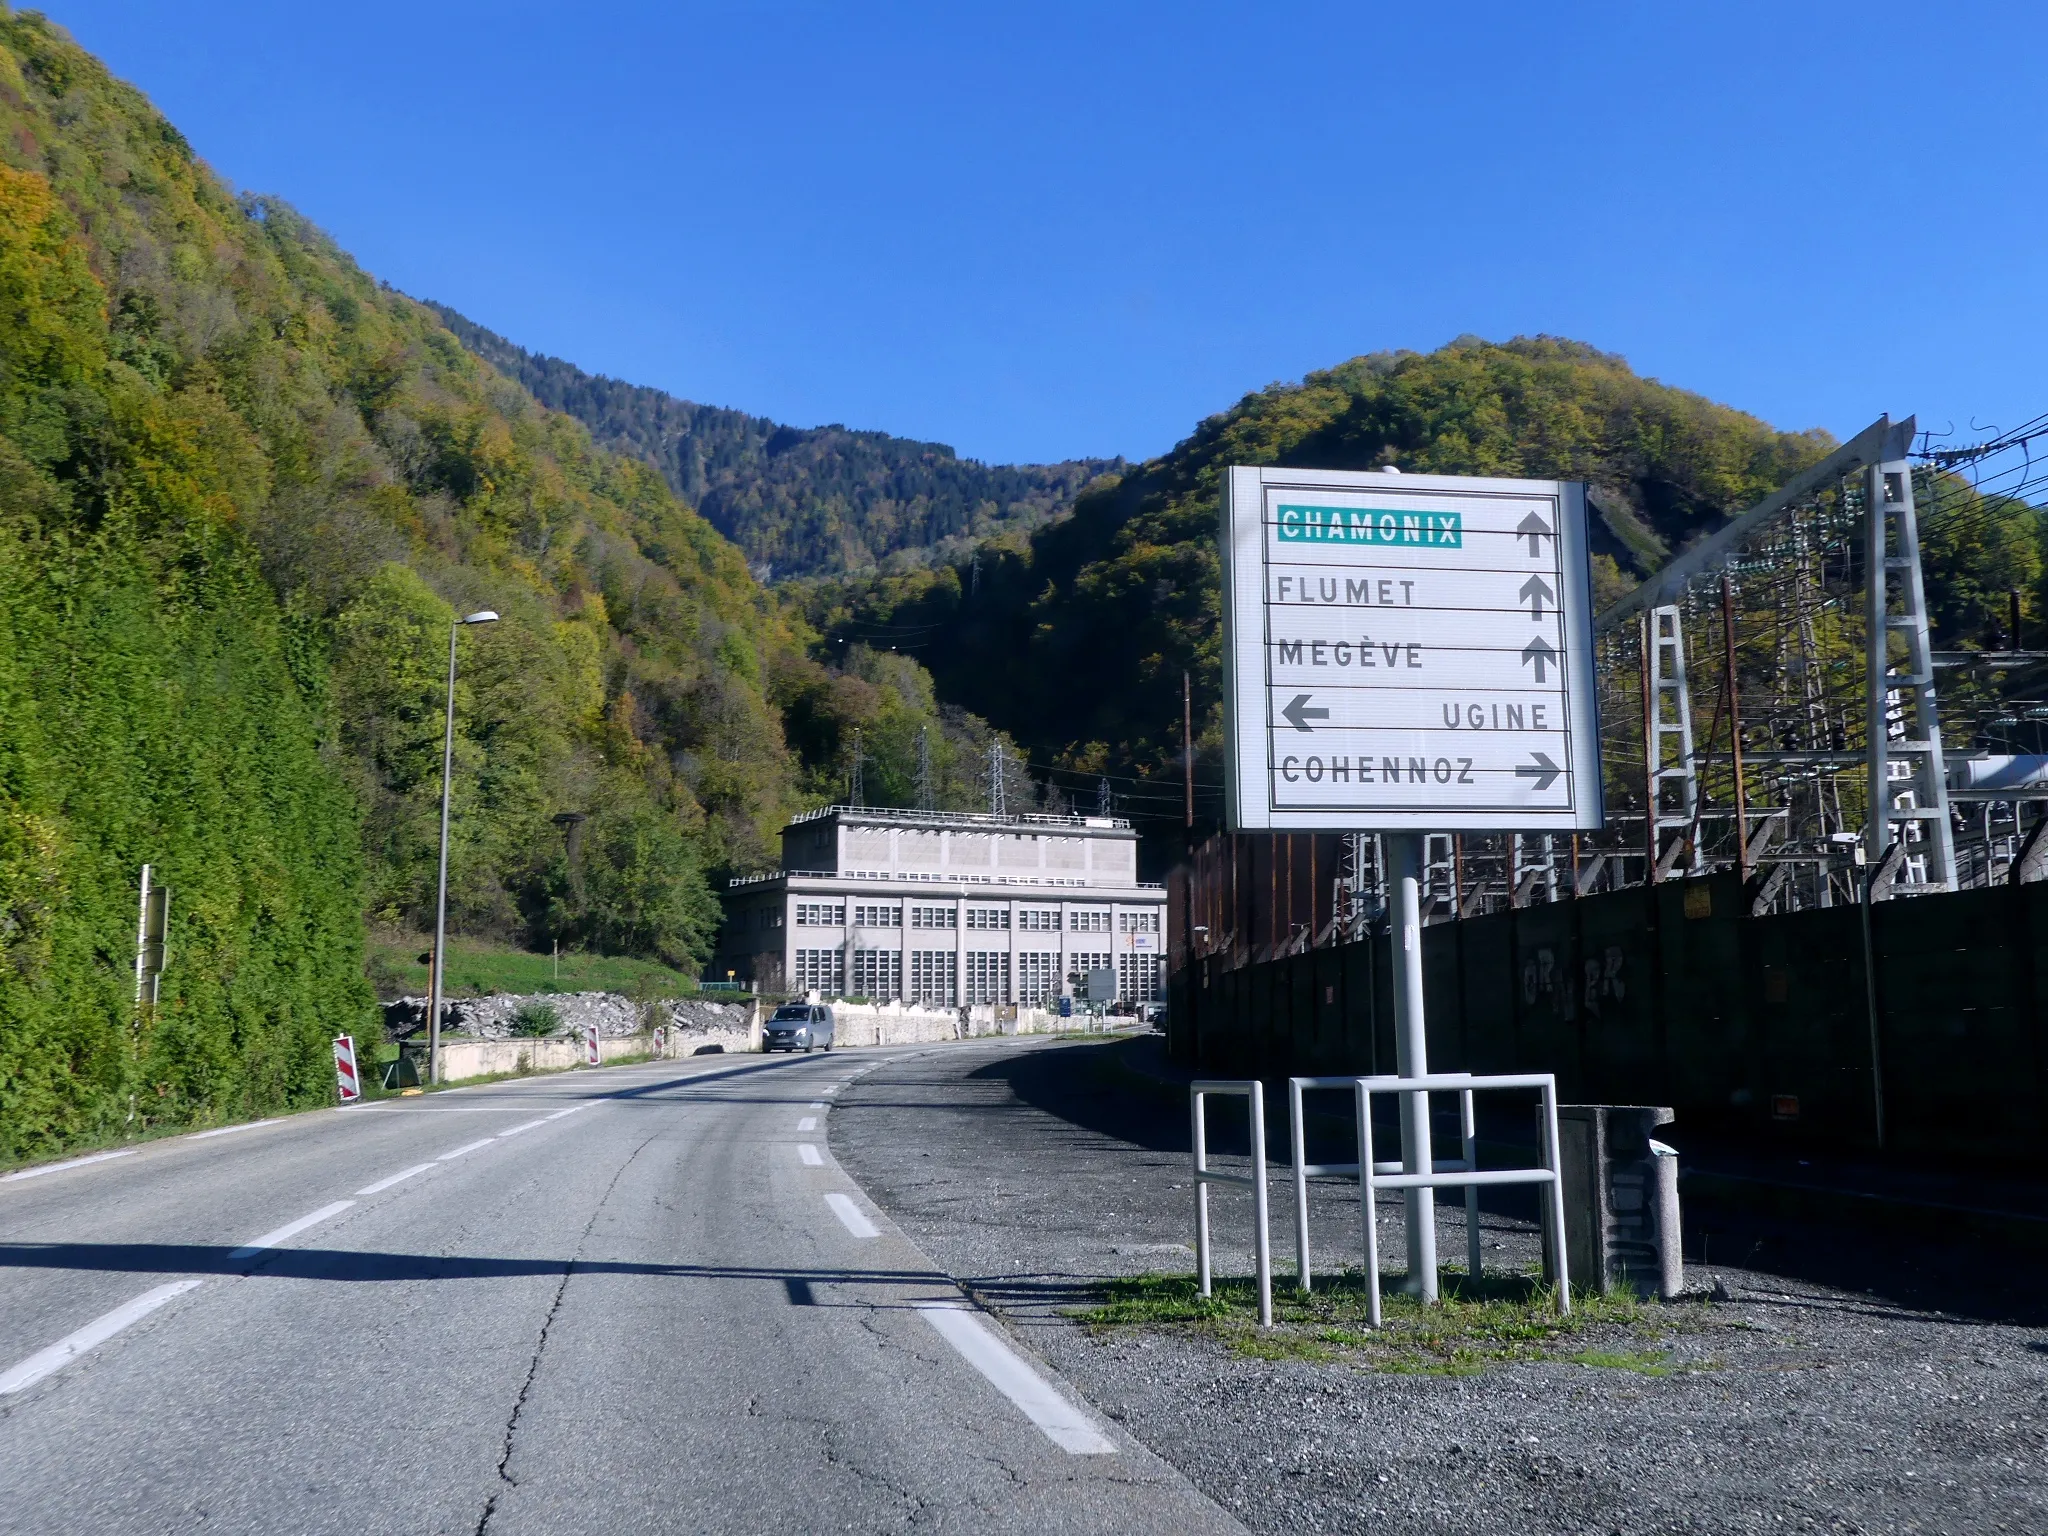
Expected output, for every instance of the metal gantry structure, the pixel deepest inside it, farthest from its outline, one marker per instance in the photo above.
(1772, 704)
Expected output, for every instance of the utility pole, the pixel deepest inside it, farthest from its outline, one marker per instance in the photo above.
(926, 800)
(859, 787)
(438, 971)
(1187, 752)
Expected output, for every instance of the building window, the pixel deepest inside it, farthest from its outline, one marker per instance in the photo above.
(877, 973)
(988, 976)
(934, 976)
(1137, 978)
(933, 917)
(822, 971)
(988, 917)
(878, 917)
(1037, 920)
(1078, 967)
(1038, 976)
(821, 914)
(1137, 922)
(1088, 922)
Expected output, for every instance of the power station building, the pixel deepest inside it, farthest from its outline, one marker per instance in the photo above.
(946, 908)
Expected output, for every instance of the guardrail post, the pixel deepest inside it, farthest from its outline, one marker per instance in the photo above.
(1262, 1246)
(1556, 1223)
(1468, 1122)
(1299, 1144)
(1368, 1200)
(1204, 1177)
(1201, 1192)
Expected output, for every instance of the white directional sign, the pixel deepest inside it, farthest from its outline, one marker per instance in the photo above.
(1408, 652)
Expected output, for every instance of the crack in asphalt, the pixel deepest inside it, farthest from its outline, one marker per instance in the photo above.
(540, 1346)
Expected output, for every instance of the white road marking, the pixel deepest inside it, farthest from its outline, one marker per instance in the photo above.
(809, 1154)
(808, 1123)
(98, 1331)
(1008, 1372)
(543, 1120)
(569, 1111)
(817, 1103)
(228, 1130)
(449, 1157)
(361, 1108)
(290, 1229)
(69, 1162)
(851, 1216)
(381, 1185)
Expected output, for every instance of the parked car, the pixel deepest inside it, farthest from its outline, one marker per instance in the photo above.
(1155, 1014)
(798, 1027)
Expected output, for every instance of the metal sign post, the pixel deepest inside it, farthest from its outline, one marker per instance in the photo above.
(1408, 654)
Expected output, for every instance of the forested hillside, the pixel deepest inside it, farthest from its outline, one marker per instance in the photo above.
(243, 491)
(1074, 639)
(800, 501)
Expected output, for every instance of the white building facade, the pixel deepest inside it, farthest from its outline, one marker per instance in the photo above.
(946, 908)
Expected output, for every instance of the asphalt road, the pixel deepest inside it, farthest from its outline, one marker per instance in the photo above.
(642, 1299)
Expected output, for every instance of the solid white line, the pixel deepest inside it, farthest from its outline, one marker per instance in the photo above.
(543, 1120)
(290, 1229)
(98, 1331)
(228, 1130)
(71, 1162)
(449, 1157)
(569, 1111)
(851, 1216)
(809, 1154)
(381, 1185)
(1008, 1372)
(360, 1107)
(808, 1123)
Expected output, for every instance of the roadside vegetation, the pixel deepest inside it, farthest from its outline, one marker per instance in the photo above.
(483, 967)
(1498, 1320)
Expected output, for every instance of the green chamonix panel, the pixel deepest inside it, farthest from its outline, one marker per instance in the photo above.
(1299, 524)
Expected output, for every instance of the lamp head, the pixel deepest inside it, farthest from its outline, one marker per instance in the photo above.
(481, 616)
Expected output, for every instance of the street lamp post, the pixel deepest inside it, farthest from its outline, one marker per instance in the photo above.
(438, 970)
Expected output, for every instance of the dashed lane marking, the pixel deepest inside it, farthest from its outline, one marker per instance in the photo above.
(1009, 1373)
(467, 1147)
(69, 1162)
(40, 1364)
(381, 1185)
(543, 1120)
(229, 1130)
(809, 1154)
(851, 1216)
(808, 1123)
(290, 1230)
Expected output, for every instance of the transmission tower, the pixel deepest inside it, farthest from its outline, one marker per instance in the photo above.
(1102, 801)
(995, 778)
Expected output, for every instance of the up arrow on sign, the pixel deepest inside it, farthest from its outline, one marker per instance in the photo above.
(1535, 530)
(1539, 653)
(1534, 591)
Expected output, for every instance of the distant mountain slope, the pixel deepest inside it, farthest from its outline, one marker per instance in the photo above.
(799, 501)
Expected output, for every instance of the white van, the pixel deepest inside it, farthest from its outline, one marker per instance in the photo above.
(798, 1026)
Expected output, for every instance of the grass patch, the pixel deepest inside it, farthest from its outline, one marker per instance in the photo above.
(1498, 1320)
(480, 968)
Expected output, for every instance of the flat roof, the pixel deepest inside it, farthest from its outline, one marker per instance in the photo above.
(964, 821)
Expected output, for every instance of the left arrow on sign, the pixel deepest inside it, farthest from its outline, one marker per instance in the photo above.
(1541, 769)
(1298, 714)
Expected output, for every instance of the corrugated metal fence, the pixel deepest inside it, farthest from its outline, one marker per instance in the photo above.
(1673, 995)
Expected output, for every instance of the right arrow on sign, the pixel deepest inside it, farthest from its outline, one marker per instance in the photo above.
(1541, 769)
(1535, 530)
(1536, 590)
(1539, 653)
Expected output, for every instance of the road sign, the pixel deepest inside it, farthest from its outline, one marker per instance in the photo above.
(1407, 652)
(346, 1079)
(1101, 985)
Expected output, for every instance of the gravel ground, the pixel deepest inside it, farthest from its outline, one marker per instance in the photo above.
(1035, 1170)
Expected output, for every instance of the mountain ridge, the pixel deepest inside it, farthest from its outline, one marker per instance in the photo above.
(799, 501)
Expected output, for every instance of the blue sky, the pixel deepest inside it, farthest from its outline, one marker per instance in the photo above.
(1054, 230)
